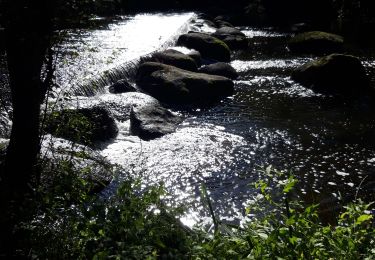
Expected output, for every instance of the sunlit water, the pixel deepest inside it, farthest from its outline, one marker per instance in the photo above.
(270, 120)
(328, 144)
(88, 54)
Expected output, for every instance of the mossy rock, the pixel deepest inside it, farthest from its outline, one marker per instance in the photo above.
(233, 37)
(176, 86)
(209, 46)
(336, 74)
(88, 126)
(316, 42)
(220, 69)
(174, 58)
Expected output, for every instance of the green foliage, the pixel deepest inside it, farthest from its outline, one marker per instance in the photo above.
(135, 224)
(87, 126)
(132, 227)
(70, 124)
(289, 230)
(73, 223)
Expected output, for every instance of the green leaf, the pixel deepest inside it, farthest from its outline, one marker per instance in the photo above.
(293, 240)
(263, 235)
(363, 218)
(290, 184)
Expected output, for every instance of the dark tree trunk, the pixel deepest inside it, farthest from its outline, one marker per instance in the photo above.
(27, 32)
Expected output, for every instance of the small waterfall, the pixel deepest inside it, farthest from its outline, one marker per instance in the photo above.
(127, 70)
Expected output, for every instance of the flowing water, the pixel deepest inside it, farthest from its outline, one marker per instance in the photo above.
(329, 145)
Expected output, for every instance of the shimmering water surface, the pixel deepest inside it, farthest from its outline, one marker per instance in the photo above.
(328, 143)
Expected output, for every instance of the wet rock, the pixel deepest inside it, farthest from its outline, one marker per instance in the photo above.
(196, 56)
(121, 105)
(176, 86)
(174, 58)
(151, 121)
(209, 47)
(334, 74)
(233, 37)
(121, 86)
(221, 69)
(88, 126)
(316, 42)
(210, 23)
(222, 23)
(222, 18)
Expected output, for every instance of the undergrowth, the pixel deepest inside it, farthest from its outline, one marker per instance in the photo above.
(136, 224)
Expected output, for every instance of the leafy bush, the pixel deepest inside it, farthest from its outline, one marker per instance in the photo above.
(72, 223)
(135, 224)
(289, 230)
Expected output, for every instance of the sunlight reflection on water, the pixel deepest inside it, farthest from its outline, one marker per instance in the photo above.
(100, 50)
(269, 120)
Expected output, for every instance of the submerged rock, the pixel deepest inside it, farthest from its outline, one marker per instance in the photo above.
(233, 37)
(87, 126)
(121, 86)
(176, 86)
(151, 121)
(221, 69)
(316, 42)
(334, 74)
(209, 47)
(174, 58)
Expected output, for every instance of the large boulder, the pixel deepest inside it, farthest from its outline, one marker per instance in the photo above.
(176, 86)
(209, 47)
(334, 74)
(174, 58)
(233, 37)
(88, 126)
(221, 69)
(316, 42)
(151, 121)
(121, 86)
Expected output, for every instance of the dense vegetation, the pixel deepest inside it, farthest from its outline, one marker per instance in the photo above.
(136, 224)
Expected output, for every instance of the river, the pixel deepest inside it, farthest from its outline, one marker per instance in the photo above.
(270, 120)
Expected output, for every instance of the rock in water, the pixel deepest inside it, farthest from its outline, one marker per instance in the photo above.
(176, 86)
(151, 121)
(121, 86)
(334, 74)
(221, 23)
(209, 47)
(316, 42)
(87, 126)
(221, 69)
(196, 56)
(174, 58)
(233, 37)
